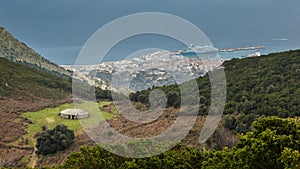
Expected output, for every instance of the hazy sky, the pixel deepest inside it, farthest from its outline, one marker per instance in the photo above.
(58, 28)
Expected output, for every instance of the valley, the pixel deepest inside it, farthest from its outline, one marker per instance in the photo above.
(262, 97)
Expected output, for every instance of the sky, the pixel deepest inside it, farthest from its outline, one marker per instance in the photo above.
(57, 29)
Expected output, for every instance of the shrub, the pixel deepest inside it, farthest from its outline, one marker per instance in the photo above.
(230, 123)
(54, 140)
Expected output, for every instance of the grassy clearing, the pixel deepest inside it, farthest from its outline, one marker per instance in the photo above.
(94, 114)
(50, 118)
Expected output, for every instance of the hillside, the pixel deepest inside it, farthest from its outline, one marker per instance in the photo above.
(256, 87)
(24, 89)
(16, 51)
(273, 143)
(266, 85)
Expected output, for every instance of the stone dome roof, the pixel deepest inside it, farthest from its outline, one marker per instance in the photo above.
(74, 112)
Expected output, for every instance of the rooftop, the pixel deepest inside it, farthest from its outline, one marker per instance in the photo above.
(74, 112)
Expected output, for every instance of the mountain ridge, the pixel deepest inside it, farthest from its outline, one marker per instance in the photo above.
(16, 51)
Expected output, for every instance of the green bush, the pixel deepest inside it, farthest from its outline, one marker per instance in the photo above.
(273, 143)
(230, 122)
(54, 140)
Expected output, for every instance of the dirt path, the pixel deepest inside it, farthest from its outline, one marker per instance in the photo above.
(33, 159)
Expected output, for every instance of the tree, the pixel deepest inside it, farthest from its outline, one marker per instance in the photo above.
(273, 143)
(230, 122)
(54, 140)
(98, 157)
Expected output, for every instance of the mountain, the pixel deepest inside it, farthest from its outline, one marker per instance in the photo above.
(16, 51)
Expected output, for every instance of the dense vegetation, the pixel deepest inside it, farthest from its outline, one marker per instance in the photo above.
(267, 85)
(18, 80)
(273, 143)
(56, 139)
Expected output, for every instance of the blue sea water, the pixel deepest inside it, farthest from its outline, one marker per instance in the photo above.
(141, 42)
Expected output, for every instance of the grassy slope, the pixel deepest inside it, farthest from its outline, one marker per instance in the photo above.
(49, 117)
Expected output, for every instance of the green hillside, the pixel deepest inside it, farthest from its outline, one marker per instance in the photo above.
(254, 85)
(27, 89)
(24, 89)
(274, 143)
(258, 86)
(21, 81)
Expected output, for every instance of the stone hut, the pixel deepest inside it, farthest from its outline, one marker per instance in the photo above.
(74, 114)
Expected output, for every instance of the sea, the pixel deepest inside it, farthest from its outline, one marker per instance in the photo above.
(140, 43)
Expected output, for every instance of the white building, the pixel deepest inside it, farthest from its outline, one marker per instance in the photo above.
(74, 114)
